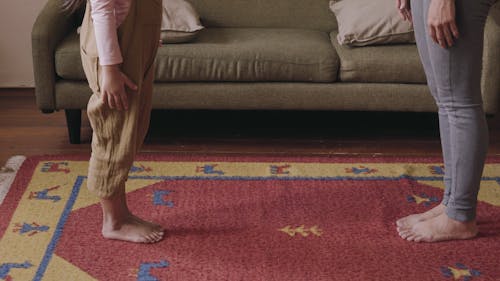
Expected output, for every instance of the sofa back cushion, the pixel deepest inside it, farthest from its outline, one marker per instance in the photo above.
(306, 14)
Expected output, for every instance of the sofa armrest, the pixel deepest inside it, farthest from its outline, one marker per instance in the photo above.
(50, 27)
(491, 61)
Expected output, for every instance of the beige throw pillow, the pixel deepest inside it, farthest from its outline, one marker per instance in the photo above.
(180, 22)
(370, 22)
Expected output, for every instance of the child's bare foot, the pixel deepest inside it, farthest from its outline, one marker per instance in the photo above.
(119, 223)
(408, 222)
(132, 229)
(440, 228)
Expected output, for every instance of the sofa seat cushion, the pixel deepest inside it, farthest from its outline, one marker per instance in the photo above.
(379, 64)
(250, 54)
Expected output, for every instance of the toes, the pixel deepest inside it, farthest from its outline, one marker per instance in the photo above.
(402, 229)
(156, 236)
(404, 234)
(411, 237)
(151, 238)
(417, 238)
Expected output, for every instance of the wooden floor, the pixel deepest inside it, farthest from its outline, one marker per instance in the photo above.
(24, 130)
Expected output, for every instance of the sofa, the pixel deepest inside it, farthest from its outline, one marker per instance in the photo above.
(256, 55)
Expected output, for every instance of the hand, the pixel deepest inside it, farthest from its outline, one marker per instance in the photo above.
(441, 22)
(113, 87)
(405, 9)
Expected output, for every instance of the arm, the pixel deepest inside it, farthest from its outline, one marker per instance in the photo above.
(114, 80)
(104, 19)
(51, 26)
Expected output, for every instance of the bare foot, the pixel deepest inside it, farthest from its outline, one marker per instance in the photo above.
(408, 222)
(119, 223)
(132, 229)
(440, 228)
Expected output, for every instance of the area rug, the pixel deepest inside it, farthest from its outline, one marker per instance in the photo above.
(244, 218)
(8, 174)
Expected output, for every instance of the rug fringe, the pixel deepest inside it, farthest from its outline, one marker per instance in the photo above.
(8, 174)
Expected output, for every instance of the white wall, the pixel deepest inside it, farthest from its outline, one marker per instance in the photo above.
(16, 20)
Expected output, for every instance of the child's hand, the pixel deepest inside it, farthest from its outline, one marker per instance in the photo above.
(113, 87)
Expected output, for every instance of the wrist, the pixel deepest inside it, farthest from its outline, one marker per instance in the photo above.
(111, 68)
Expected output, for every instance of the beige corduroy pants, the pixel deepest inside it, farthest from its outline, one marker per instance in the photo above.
(118, 135)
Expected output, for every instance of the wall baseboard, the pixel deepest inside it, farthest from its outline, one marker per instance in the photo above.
(17, 84)
(18, 91)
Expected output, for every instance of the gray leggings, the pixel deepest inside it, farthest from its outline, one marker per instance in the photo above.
(454, 79)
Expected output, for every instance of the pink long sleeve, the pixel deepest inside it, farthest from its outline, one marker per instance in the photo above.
(107, 15)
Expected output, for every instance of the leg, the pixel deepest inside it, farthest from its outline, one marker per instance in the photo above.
(114, 145)
(419, 24)
(458, 73)
(118, 134)
(422, 38)
(74, 123)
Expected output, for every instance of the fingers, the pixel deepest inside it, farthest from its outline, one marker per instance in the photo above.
(404, 10)
(441, 23)
(114, 93)
(432, 34)
(398, 6)
(121, 96)
(454, 29)
(111, 101)
(444, 35)
(440, 37)
(129, 83)
(117, 101)
(117, 98)
(104, 98)
(406, 15)
(448, 37)
(410, 17)
(436, 33)
(402, 15)
(123, 99)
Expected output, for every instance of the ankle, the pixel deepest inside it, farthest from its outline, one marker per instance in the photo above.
(114, 215)
(468, 224)
(439, 209)
(112, 222)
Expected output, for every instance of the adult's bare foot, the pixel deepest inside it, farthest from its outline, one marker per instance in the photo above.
(440, 228)
(119, 223)
(408, 222)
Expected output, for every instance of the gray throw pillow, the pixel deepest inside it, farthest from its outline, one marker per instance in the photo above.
(180, 22)
(369, 22)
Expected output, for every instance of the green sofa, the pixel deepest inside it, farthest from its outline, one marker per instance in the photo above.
(272, 55)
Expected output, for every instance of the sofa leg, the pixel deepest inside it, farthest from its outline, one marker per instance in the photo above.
(74, 123)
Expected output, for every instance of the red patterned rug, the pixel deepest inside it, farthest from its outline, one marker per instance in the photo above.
(244, 218)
